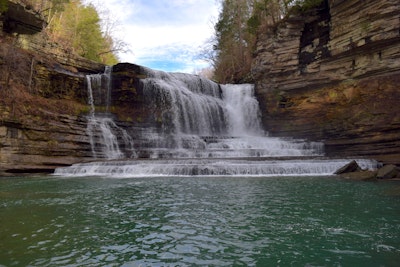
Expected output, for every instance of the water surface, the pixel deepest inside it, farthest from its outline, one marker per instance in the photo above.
(198, 221)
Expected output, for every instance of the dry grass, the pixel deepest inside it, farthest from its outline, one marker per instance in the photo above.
(18, 104)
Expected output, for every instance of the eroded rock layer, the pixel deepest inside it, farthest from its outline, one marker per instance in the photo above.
(333, 75)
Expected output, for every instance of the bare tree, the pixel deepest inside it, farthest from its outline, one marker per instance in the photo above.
(111, 27)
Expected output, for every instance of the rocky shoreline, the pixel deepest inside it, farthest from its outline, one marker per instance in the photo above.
(353, 171)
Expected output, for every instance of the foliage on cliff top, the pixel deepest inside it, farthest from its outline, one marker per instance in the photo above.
(79, 29)
(239, 23)
(3, 5)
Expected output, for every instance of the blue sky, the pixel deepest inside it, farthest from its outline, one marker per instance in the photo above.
(164, 34)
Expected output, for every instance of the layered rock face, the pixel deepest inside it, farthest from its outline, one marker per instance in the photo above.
(43, 97)
(18, 18)
(42, 112)
(45, 111)
(334, 75)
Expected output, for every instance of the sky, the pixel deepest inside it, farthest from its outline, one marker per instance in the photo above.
(164, 34)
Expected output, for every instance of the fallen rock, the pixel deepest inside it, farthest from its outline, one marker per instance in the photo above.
(350, 167)
(388, 172)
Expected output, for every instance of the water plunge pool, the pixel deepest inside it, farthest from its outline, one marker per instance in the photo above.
(198, 221)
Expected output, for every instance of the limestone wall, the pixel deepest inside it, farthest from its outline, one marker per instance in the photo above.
(43, 97)
(340, 40)
(357, 23)
(332, 75)
(44, 110)
(40, 146)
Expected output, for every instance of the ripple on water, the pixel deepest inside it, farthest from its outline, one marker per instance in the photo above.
(199, 222)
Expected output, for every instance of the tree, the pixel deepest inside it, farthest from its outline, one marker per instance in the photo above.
(269, 12)
(47, 8)
(236, 30)
(110, 27)
(78, 28)
(234, 43)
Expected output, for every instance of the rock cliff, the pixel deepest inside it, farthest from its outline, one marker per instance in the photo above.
(42, 97)
(42, 111)
(333, 74)
(21, 19)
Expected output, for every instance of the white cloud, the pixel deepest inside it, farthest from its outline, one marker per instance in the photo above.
(164, 31)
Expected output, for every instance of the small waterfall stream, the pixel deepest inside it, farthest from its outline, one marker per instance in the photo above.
(104, 134)
(207, 129)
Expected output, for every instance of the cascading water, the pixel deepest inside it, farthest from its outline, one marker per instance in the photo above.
(242, 110)
(203, 119)
(207, 129)
(104, 135)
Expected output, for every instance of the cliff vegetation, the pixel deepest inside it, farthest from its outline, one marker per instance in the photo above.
(74, 27)
(236, 31)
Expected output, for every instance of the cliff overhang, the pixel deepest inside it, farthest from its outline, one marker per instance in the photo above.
(22, 19)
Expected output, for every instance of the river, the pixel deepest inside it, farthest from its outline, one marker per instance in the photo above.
(198, 221)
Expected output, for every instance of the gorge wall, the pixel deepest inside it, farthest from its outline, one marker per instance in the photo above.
(42, 97)
(44, 109)
(44, 106)
(333, 74)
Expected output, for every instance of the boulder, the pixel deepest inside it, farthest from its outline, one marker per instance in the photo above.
(350, 167)
(388, 172)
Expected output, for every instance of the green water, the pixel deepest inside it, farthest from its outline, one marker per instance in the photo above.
(198, 221)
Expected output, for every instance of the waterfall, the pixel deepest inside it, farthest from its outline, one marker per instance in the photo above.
(193, 104)
(243, 112)
(204, 119)
(105, 135)
(205, 129)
